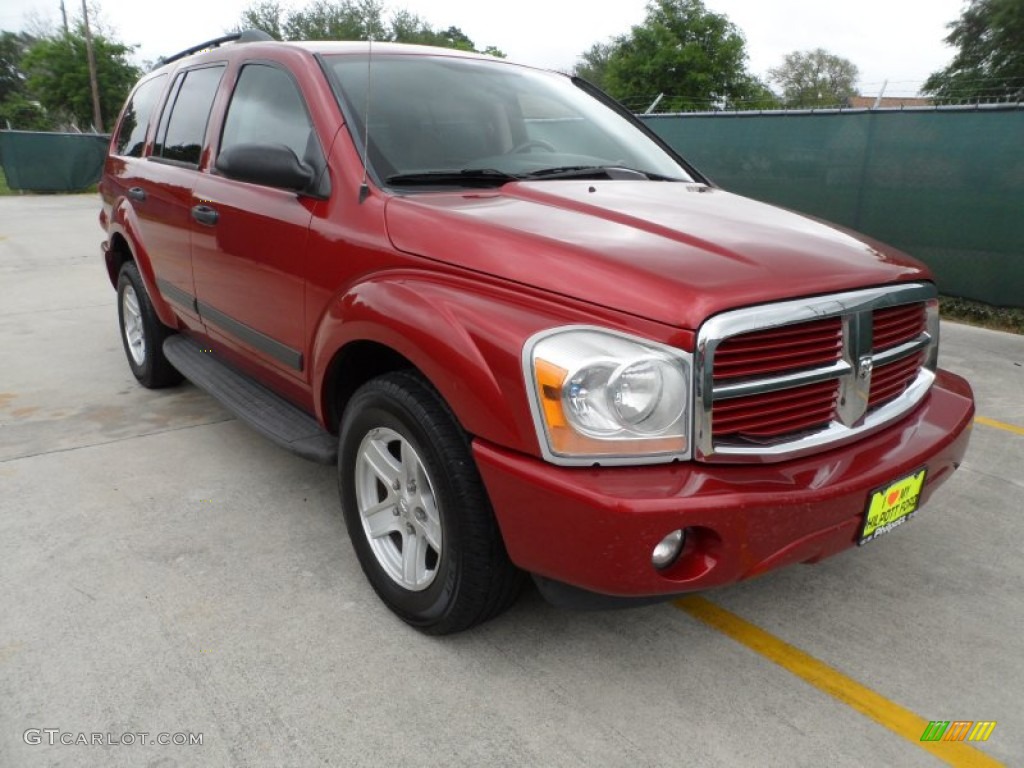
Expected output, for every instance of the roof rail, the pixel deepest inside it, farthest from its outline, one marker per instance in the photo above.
(245, 36)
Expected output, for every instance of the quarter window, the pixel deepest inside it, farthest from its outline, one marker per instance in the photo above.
(182, 130)
(131, 135)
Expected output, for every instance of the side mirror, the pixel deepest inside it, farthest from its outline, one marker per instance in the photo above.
(272, 165)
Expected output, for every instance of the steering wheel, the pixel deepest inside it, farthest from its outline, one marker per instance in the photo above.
(526, 146)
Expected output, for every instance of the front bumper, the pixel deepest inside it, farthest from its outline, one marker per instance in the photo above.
(594, 528)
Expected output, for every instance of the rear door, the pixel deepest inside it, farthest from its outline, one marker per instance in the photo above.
(163, 188)
(249, 240)
(127, 180)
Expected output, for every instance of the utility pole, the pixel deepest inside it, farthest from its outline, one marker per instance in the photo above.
(64, 15)
(881, 93)
(97, 115)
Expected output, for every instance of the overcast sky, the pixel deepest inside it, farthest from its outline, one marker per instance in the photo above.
(895, 40)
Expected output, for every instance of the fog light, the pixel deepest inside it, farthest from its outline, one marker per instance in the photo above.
(668, 549)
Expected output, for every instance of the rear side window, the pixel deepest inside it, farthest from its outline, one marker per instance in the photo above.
(183, 124)
(131, 135)
(267, 107)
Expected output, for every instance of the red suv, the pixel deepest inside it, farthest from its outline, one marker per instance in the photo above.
(532, 338)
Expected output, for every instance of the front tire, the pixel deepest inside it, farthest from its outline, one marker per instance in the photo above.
(416, 509)
(142, 333)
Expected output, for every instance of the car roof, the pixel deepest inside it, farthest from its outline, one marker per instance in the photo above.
(231, 50)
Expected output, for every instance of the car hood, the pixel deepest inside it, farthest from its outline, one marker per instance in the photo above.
(671, 252)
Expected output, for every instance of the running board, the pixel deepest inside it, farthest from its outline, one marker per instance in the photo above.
(269, 414)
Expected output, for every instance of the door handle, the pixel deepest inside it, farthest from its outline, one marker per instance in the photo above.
(137, 193)
(204, 214)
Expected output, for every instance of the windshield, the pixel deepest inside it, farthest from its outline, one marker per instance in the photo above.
(448, 120)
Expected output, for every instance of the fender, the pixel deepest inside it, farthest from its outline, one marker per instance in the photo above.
(464, 336)
(123, 222)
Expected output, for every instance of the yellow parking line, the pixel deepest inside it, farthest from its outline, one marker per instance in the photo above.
(998, 425)
(897, 719)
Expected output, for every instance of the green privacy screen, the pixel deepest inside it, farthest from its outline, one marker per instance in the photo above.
(946, 186)
(52, 162)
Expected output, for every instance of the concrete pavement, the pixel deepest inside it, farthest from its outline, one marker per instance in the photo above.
(163, 569)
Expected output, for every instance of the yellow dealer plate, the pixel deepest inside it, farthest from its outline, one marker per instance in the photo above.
(892, 506)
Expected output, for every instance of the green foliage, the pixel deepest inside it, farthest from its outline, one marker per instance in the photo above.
(815, 79)
(407, 27)
(977, 313)
(13, 46)
(989, 63)
(268, 16)
(695, 57)
(347, 20)
(18, 109)
(593, 63)
(23, 114)
(353, 20)
(761, 97)
(58, 76)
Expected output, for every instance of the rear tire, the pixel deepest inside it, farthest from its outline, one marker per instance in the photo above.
(142, 333)
(416, 509)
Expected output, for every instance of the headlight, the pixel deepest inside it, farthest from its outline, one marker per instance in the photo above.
(603, 397)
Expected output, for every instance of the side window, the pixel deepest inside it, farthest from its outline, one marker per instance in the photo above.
(183, 125)
(131, 135)
(267, 108)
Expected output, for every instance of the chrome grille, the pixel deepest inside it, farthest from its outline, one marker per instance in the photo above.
(781, 380)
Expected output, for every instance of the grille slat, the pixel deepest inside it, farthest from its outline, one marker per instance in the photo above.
(820, 410)
(777, 412)
(791, 349)
(897, 325)
(769, 399)
(890, 380)
(760, 365)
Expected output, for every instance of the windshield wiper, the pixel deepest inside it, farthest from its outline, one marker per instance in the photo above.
(596, 171)
(474, 177)
(491, 177)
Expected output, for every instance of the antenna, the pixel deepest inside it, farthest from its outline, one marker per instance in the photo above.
(364, 188)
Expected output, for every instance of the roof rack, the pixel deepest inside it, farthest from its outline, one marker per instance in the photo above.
(245, 36)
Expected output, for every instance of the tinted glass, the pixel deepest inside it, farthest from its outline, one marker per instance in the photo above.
(186, 127)
(267, 108)
(439, 113)
(131, 136)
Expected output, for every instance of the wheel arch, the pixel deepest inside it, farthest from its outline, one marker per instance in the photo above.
(353, 365)
(118, 252)
(464, 339)
(123, 246)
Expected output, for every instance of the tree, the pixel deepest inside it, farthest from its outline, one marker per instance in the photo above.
(989, 64)
(695, 57)
(13, 46)
(407, 27)
(352, 20)
(268, 16)
(815, 79)
(347, 20)
(58, 75)
(593, 63)
(20, 113)
(18, 110)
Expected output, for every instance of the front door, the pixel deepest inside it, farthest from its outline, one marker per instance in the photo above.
(248, 240)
